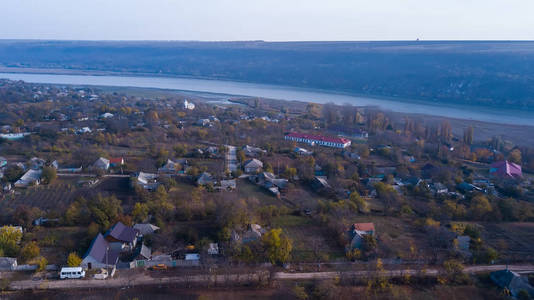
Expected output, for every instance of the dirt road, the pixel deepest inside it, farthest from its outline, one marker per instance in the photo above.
(142, 278)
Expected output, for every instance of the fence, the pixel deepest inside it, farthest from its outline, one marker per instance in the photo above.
(168, 263)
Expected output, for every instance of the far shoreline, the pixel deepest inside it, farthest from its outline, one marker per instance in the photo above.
(493, 111)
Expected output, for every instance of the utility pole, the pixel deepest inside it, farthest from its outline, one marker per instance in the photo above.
(107, 263)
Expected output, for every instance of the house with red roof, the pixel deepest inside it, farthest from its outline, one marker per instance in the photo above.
(356, 233)
(506, 169)
(116, 161)
(334, 142)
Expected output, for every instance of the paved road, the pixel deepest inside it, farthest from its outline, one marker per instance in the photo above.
(231, 158)
(143, 278)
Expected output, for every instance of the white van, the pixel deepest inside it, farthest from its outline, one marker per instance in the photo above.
(71, 273)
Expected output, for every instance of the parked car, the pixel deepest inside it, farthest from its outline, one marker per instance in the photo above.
(159, 267)
(102, 275)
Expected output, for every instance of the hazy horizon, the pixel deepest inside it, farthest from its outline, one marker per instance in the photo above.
(275, 20)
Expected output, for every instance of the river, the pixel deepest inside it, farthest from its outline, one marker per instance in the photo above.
(485, 114)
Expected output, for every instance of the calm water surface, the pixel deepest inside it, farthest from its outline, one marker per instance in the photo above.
(284, 93)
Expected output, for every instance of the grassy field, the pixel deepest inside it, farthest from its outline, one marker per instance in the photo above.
(246, 189)
(311, 241)
(514, 241)
(57, 242)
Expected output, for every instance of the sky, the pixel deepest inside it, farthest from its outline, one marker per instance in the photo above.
(270, 20)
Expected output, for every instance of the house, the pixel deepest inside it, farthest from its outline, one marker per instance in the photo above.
(8, 264)
(7, 187)
(320, 184)
(335, 142)
(350, 155)
(211, 152)
(270, 182)
(42, 221)
(439, 188)
(116, 161)
(354, 133)
(122, 237)
(357, 232)
(205, 179)
(145, 228)
(37, 163)
(512, 282)
(189, 105)
(172, 166)
(14, 136)
(413, 181)
(252, 166)
(3, 162)
(253, 233)
(100, 254)
(203, 122)
(463, 242)
(506, 169)
(408, 158)
(55, 164)
(227, 185)
(468, 187)
(192, 256)
(142, 253)
(31, 177)
(253, 151)
(302, 151)
(101, 163)
(106, 115)
(83, 130)
(213, 249)
(69, 170)
(148, 181)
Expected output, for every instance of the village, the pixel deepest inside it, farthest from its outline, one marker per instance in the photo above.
(96, 183)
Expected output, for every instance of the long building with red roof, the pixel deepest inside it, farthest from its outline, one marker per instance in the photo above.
(335, 142)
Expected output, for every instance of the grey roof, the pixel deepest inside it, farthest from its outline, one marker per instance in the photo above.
(229, 183)
(463, 242)
(30, 176)
(322, 181)
(205, 178)
(145, 252)
(7, 263)
(98, 250)
(145, 178)
(253, 163)
(145, 228)
(122, 233)
(102, 163)
(512, 281)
